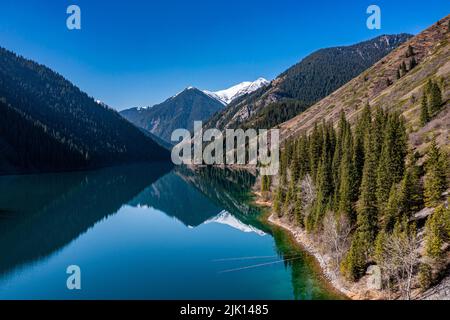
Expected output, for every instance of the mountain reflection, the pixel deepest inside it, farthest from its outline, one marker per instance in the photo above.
(176, 198)
(43, 213)
(40, 214)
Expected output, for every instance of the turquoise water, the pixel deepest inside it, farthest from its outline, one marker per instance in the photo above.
(144, 232)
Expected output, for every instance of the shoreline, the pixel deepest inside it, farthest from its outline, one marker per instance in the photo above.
(302, 240)
(355, 291)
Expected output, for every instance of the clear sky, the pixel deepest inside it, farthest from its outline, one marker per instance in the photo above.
(139, 52)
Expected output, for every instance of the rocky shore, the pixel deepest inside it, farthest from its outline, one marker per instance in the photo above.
(356, 291)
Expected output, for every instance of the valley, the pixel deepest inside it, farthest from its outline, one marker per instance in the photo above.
(359, 208)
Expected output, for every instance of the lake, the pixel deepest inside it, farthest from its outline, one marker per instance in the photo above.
(146, 232)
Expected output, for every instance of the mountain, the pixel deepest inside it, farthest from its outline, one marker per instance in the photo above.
(380, 86)
(48, 124)
(179, 111)
(305, 83)
(228, 95)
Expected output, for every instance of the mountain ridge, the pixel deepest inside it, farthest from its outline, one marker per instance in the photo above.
(306, 82)
(53, 126)
(177, 112)
(182, 109)
(378, 86)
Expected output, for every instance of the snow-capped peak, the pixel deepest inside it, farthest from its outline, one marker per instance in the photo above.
(187, 89)
(228, 95)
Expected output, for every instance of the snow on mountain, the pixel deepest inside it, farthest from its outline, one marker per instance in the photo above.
(228, 95)
(227, 218)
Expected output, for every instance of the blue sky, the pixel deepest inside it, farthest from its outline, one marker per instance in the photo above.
(138, 53)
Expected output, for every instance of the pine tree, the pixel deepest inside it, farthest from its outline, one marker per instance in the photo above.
(265, 184)
(412, 63)
(289, 200)
(425, 276)
(392, 163)
(295, 167)
(278, 202)
(410, 52)
(379, 247)
(298, 209)
(324, 179)
(347, 193)
(435, 99)
(435, 178)
(410, 193)
(354, 263)
(379, 126)
(403, 68)
(315, 150)
(362, 128)
(338, 154)
(367, 208)
(428, 86)
(437, 231)
(391, 212)
(424, 114)
(283, 168)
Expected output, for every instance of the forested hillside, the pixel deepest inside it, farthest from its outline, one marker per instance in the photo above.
(49, 124)
(358, 192)
(398, 83)
(365, 172)
(305, 83)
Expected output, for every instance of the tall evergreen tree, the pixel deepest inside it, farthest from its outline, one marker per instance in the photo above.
(298, 209)
(410, 192)
(392, 160)
(435, 98)
(424, 113)
(410, 52)
(391, 212)
(289, 199)
(348, 192)
(435, 179)
(265, 183)
(315, 150)
(379, 125)
(403, 68)
(278, 202)
(412, 63)
(354, 263)
(367, 208)
(437, 231)
(363, 125)
(338, 153)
